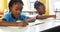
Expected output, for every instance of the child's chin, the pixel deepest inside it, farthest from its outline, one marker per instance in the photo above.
(17, 14)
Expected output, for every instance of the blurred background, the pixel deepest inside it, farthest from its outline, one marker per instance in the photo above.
(28, 8)
(51, 6)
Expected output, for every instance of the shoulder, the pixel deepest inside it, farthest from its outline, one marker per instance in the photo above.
(7, 15)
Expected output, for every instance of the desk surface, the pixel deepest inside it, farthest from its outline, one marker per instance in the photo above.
(47, 25)
(36, 28)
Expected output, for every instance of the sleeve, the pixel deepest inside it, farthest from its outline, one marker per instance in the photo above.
(6, 17)
(25, 17)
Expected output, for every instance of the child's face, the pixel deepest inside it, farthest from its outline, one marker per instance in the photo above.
(41, 10)
(16, 8)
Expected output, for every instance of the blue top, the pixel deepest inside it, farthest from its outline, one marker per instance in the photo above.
(8, 17)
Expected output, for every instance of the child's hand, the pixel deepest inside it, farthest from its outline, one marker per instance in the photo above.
(31, 19)
(22, 24)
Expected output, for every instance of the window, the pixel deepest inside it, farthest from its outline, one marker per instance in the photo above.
(53, 6)
(32, 5)
(29, 5)
(28, 8)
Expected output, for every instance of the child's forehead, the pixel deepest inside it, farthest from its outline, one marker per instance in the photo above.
(43, 7)
(17, 4)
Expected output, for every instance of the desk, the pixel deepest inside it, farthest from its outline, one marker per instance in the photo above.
(47, 25)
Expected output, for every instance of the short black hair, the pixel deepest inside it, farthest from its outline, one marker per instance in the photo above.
(37, 4)
(14, 1)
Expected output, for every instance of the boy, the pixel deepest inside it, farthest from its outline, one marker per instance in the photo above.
(41, 10)
(14, 15)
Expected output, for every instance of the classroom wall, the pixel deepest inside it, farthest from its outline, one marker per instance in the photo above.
(5, 4)
(1, 6)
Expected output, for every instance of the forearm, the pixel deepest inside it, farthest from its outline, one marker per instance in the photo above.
(47, 16)
(8, 24)
(42, 17)
(21, 24)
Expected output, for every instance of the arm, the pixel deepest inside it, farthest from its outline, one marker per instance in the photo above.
(44, 17)
(4, 23)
